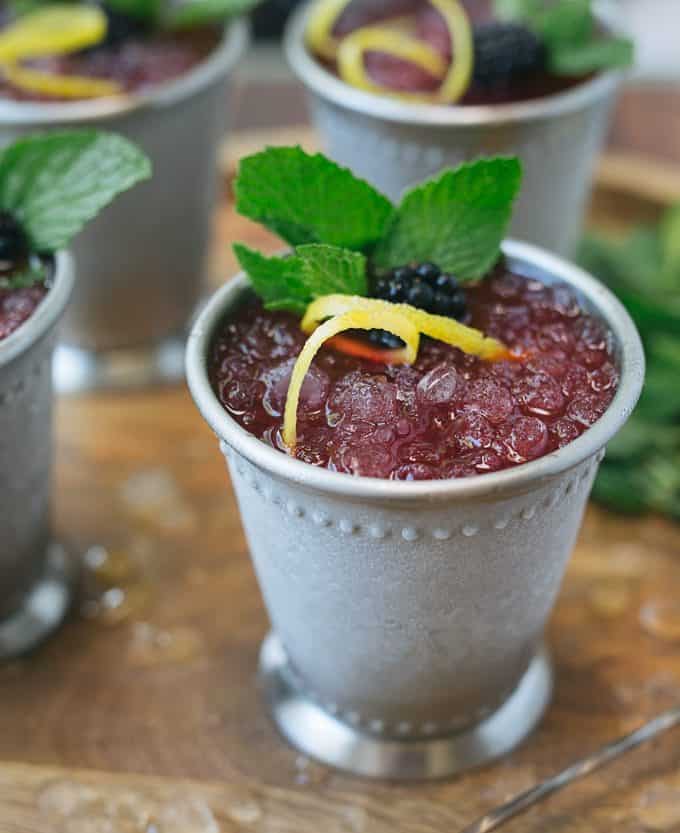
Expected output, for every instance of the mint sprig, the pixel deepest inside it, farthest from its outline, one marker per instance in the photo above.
(342, 229)
(307, 198)
(53, 184)
(575, 43)
(457, 220)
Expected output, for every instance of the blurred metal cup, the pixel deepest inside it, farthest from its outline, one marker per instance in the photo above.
(395, 145)
(35, 585)
(140, 264)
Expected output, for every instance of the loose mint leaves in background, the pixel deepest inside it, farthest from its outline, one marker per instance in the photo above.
(457, 220)
(291, 283)
(53, 184)
(641, 471)
(576, 44)
(309, 199)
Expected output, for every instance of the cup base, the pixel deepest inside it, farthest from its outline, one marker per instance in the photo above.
(43, 609)
(329, 740)
(77, 370)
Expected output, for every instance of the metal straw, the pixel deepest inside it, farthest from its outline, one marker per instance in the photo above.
(523, 801)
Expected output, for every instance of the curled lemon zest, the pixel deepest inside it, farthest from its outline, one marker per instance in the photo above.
(353, 318)
(60, 86)
(439, 327)
(458, 77)
(352, 52)
(319, 33)
(56, 30)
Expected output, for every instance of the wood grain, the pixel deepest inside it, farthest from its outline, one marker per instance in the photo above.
(162, 684)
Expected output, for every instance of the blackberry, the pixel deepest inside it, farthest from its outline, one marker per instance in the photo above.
(13, 241)
(421, 285)
(505, 52)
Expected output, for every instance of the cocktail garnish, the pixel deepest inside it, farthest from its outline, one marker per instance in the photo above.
(54, 30)
(59, 86)
(439, 327)
(352, 318)
(51, 185)
(322, 19)
(350, 51)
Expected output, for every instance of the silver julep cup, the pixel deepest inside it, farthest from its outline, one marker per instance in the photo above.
(140, 263)
(395, 145)
(408, 617)
(35, 580)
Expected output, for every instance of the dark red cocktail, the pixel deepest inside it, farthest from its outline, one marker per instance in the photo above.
(136, 62)
(17, 306)
(449, 414)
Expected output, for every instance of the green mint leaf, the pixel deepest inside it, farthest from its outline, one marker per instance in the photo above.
(23, 280)
(54, 183)
(292, 282)
(568, 21)
(277, 280)
(201, 12)
(309, 199)
(457, 220)
(592, 56)
(329, 269)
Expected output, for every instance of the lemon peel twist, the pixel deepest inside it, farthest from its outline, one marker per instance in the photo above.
(350, 52)
(319, 34)
(354, 312)
(57, 30)
(351, 319)
(60, 86)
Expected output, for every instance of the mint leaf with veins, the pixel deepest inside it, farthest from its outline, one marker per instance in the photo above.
(456, 220)
(310, 199)
(52, 184)
(292, 282)
(277, 280)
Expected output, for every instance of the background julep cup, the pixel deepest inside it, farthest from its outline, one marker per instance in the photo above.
(140, 263)
(408, 616)
(396, 145)
(35, 585)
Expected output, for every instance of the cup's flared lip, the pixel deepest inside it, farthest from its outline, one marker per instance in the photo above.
(528, 259)
(328, 86)
(46, 314)
(217, 64)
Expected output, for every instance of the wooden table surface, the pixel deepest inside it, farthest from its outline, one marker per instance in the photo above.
(141, 715)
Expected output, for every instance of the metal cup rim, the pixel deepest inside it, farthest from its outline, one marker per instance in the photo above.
(47, 313)
(530, 259)
(47, 114)
(328, 86)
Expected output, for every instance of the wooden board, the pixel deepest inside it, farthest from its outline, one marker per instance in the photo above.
(141, 715)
